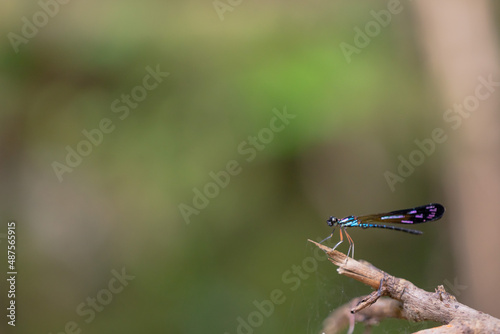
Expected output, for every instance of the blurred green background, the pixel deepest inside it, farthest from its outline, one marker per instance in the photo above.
(120, 208)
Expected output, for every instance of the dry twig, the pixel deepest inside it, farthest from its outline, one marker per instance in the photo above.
(410, 302)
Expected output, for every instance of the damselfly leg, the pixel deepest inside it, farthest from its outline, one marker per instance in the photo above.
(351, 244)
(328, 237)
(341, 239)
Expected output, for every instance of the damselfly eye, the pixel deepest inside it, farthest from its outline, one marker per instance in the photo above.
(331, 221)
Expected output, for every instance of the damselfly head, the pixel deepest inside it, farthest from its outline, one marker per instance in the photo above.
(332, 221)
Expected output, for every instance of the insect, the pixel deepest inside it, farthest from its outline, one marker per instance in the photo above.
(420, 214)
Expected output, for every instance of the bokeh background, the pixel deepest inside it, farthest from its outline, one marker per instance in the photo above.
(232, 67)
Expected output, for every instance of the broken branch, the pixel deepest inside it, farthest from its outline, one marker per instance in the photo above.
(413, 304)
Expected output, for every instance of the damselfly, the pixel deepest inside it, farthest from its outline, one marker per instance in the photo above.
(420, 214)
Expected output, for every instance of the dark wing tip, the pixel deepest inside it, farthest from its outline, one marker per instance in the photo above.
(437, 210)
